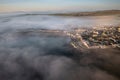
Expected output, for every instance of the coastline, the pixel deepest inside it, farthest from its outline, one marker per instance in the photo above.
(93, 13)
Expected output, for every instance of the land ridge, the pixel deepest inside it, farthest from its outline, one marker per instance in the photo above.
(93, 13)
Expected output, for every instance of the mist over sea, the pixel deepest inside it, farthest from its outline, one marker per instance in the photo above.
(29, 55)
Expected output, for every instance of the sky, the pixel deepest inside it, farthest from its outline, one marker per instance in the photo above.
(57, 5)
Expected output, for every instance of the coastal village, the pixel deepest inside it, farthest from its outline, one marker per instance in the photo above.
(103, 37)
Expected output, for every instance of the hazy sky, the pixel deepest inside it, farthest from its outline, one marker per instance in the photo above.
(48, 5)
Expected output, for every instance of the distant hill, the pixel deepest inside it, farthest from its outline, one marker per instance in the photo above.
(94, 13)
